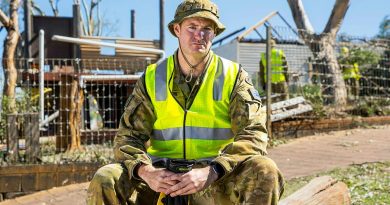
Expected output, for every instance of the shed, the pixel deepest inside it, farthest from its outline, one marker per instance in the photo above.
(247, 51)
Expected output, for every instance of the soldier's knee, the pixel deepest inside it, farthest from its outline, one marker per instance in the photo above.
(264, 166)
(107, 176)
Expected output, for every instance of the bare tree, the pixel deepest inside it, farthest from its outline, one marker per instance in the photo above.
(11, 24)
(322, 45)
(54, 7)
(90, 27)
(35, 8)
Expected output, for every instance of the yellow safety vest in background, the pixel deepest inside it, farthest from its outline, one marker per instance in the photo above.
(351, 71)
(276, 66)
(205, 128)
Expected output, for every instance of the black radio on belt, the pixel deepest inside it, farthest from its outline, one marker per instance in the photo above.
(179, 166)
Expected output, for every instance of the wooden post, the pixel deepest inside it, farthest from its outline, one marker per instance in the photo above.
(12, 139)
(162, 25)
(27, 28)
(63, 131)
(31, 134)
(76, 30)
(132, 24)
(269, 74)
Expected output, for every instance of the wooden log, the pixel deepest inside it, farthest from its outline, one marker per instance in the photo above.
(13, 137)
(31, 134)
(322, 191)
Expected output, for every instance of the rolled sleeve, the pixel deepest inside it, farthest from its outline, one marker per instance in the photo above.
(134, 130)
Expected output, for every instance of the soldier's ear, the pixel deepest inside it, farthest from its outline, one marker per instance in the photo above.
(177, 29)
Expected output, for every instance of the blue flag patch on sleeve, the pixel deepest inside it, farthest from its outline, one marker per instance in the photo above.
(255, 94)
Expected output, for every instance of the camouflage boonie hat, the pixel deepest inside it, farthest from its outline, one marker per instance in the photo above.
(197, 8)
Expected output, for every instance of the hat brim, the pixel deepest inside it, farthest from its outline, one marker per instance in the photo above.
(200, 14)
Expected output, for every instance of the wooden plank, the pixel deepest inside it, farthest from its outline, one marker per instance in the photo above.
(66, 178)
(28, 178)
(287, 103)
(261, 22)
(46, 180)
(288, 113)
(10, 183)
(13, 138)
(28, 182)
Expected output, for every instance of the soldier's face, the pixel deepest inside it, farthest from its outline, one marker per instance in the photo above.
(195, 35)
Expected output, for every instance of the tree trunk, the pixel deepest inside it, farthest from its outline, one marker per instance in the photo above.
(327, 53)
(76, 104)
(322, 47)
(10, 44)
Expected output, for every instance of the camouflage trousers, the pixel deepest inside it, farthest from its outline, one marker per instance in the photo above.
(353, 88)
(282, 89)
(255, 181)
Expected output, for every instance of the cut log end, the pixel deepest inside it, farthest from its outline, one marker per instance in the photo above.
(321, 190)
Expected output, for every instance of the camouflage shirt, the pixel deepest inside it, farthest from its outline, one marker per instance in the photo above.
(247, 115)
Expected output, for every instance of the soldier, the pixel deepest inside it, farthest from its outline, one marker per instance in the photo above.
(279, 68)
(351, 73)
(196, 107)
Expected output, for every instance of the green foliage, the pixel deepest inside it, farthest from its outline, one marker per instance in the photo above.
(367, 108)
(367, 183)
(23, 105)
(313, 94)
(102, 154)
(361, 56)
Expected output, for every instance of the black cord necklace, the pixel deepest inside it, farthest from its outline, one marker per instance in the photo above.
(188, 78)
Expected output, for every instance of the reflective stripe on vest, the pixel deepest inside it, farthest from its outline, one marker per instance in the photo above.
(276, 66)
(205, 126)
(193, 133)
(161, 84)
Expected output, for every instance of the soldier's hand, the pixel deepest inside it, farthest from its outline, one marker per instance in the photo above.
(192, 181)
(156, 178)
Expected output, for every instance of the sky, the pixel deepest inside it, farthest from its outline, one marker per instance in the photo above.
(362, 19)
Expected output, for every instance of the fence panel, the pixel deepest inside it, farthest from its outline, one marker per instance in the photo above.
(83, 102)
(85, 98)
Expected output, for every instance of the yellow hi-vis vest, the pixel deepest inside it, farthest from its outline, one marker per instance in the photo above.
(276, 66)
(351, 71)
(201, 131)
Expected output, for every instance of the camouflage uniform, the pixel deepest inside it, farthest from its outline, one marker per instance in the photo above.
(249, 177)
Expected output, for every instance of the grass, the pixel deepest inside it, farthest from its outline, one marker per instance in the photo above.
(368, 183)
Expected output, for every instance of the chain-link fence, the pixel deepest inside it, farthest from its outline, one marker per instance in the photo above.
(348, 78)
(83, 99)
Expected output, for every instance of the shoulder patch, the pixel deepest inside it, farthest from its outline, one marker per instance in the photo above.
(255, 94)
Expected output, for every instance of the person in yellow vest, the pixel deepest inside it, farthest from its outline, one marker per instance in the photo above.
(351, 73)
(279, 68)
(205, 123)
